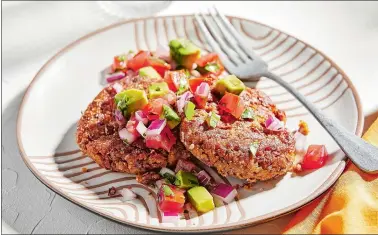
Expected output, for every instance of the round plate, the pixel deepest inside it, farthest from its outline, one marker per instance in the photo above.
(68, 82)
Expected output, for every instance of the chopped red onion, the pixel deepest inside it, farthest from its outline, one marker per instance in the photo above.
(162, 52)
(194, 66)
(131, 124)
(141, 128)
(156, 127)
(119, 117)
(160, 182)
(130, 56)
(141, 117)
(115, 76)
(130, 73)
(192, 212)
(272, 123)
(109, 70)
(170, 97)
(182, 100)
(170, 217)
(127, 194)
(125, 135)
(203, 90)
(225, 192)
(117, 87)
(203, 178)
(195, 73)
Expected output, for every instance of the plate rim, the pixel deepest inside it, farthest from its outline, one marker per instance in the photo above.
(212, 228)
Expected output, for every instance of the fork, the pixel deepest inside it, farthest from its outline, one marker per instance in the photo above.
(240, 60)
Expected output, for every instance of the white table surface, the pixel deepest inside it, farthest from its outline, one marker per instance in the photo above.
(34, 31)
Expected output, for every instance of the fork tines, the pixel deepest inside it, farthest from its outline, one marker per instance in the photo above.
(224, 39)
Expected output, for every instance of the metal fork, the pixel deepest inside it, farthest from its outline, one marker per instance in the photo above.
(240, 60)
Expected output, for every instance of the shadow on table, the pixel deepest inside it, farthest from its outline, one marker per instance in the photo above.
(28, 206)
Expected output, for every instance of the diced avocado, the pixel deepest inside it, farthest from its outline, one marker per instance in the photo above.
(212, 119)
(184, 52)
(122, 57)
(172, 118)
(187, 73)
(254, 147)
(169, 178)
(183, 85)
(149, 72)
(167, 190)
(130, 100)
(212, 67)
(201, 199)
(248, 113)
(230, 84)
(157, 89)
(183, 46)
(186, 180)
(189, 110)
(172, 123)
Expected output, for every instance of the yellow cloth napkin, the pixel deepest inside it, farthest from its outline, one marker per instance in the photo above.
(350, 207)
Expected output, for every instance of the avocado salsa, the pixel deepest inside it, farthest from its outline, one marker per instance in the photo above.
(185, 81)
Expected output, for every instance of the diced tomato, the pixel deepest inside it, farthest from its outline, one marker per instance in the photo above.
(140, 60)
(153, 142)
(131, 125)
(200, 101)
(154, 108)
(163, 141)
(168, 139)
(173, 78)
(226, 117)
(159, 65)
(143, 59)
(195, 82)
(316, 156)
(202, 94)
(232, 104)
(170, 97)
(171, 200)
(211, 58)
(119, 63)
(205, 59)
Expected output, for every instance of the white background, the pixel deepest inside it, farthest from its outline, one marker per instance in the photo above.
(345, 31)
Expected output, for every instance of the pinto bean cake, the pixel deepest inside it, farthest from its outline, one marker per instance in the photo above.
(97, 136)
(227, 147)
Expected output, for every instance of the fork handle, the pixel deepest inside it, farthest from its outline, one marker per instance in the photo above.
(362, 154)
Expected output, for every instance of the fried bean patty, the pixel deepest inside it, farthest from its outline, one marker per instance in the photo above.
(227, 146)
(97, 136)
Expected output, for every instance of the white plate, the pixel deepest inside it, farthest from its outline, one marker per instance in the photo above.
(68, 82)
